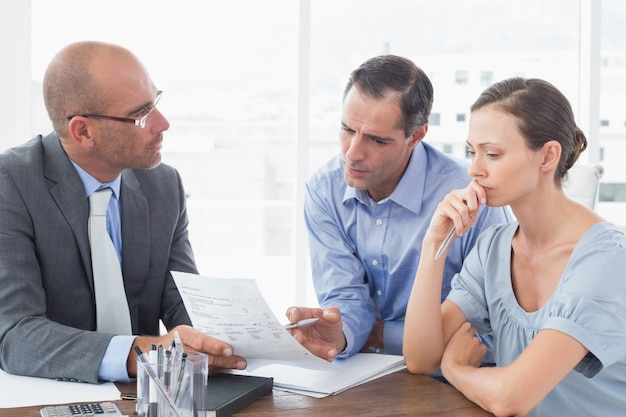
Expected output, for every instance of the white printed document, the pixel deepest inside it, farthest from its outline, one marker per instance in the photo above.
(234, 311)
(24, 391)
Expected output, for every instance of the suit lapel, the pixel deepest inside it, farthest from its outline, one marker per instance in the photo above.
(68, 192)
(135, 229)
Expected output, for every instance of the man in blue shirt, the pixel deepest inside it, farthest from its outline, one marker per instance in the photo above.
(367, 211)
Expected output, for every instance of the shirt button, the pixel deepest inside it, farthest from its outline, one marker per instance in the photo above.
(379, 222)
(375, 262)
(379, 293)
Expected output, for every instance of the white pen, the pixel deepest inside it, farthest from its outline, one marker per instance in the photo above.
(445, 243)
(178, 343)
(178, 347)
(301, 323)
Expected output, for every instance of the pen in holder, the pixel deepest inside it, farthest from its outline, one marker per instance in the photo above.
(172, 388)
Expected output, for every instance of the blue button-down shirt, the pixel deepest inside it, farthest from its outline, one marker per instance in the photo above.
(364, 254)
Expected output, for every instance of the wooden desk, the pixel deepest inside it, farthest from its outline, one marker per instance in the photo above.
(398, 394)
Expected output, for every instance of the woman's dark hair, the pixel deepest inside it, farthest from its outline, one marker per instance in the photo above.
(391, 75)
(543, 114)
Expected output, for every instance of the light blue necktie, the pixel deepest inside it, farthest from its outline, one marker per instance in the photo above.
(111, 305)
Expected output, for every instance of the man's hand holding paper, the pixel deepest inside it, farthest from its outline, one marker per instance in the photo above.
(221, 354)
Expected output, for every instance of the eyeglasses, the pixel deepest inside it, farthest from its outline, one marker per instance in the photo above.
(137, 122)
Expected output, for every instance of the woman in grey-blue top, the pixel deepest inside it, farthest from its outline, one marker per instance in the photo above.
(551, 286)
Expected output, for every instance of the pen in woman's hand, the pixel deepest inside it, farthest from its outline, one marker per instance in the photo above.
(301, 323)
(445, 243)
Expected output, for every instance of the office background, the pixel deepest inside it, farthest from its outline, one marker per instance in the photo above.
(253, 94)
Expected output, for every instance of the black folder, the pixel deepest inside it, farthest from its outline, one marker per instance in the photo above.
(228, 393)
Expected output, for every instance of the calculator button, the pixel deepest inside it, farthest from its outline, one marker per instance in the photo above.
(106, 408)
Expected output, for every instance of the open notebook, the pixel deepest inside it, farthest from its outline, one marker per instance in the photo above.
(348, 373)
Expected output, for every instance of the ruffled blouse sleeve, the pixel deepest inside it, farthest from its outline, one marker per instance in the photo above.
(590, 304)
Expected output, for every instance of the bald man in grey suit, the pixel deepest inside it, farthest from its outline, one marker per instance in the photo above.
(102, 104)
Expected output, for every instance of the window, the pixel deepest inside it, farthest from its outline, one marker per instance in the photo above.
(230, 82)
(231, 73)
(614, 192)
(486, 78)
(461, 77)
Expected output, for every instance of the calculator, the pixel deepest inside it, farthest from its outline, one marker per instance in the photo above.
(103, 409)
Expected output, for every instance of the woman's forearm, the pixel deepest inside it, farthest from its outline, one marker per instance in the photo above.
(423, 341)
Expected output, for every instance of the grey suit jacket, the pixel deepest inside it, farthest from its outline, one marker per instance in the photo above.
(47, 307)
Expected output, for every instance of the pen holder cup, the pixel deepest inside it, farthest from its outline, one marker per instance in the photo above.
(175, 389)
(200, 372)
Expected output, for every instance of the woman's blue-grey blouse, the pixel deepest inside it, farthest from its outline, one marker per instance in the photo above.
(589, 304)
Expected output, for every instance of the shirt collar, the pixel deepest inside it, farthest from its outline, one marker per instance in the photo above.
(91, 184)
(409, 191)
